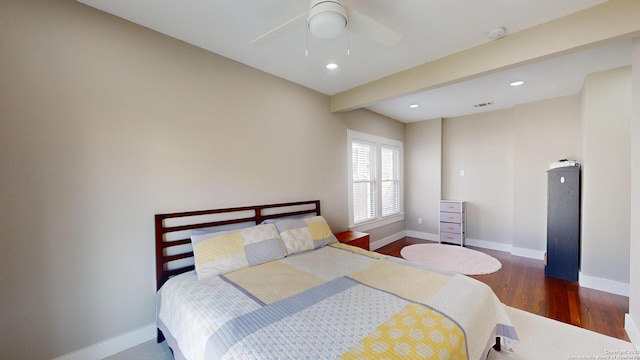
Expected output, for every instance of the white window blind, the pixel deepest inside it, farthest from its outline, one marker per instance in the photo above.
(364, 186)
(375, 179)
(390, 181)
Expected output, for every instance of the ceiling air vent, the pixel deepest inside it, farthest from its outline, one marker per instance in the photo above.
(480, 105)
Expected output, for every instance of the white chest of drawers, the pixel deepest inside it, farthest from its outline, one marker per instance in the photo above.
(452, 222)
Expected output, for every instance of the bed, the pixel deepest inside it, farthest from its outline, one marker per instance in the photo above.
(272, 282)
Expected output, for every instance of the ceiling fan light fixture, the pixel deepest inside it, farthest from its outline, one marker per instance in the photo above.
(327, 19)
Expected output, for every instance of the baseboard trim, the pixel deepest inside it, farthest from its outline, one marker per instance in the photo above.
(423, 235)
(610, 286)
(386, 241)
(516, 251)
(112, 346)
(489, 245)
(632, 331)
(528, 253)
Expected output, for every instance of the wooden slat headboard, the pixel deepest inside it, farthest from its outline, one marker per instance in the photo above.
(170, 250)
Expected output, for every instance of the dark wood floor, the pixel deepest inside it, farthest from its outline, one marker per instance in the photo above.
(521, 284)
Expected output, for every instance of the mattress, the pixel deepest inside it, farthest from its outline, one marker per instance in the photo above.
(336, 302)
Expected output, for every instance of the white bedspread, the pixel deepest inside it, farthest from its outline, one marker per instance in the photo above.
(334, 302)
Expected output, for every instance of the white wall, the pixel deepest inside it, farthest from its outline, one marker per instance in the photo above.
(606, 112)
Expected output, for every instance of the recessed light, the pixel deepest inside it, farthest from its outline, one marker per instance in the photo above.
(332, 66)
(414, 106)
(517, 83)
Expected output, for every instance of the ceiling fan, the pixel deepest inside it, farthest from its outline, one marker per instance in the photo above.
(326, 19)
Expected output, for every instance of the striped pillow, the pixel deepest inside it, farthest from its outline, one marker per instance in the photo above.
(222, 252)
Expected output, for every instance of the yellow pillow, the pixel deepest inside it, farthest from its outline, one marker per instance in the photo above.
(305, 234)
(219, 253)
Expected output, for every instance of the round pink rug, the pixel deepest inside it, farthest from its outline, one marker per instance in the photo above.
(452, 258)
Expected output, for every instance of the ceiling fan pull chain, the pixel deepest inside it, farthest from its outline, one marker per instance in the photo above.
(348, 40)
(306, 40)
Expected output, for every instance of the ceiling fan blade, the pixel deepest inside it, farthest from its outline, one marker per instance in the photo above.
(366, 26)
(300, 20)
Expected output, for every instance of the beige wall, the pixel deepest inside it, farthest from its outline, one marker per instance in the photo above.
(482, 146)
(423, 169)
(606, 114)
(104, 124)
(505, 155)
(633, 323)
(544, 131)
(372, 123)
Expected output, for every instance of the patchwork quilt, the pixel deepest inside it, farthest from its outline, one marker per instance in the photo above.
(336, 302)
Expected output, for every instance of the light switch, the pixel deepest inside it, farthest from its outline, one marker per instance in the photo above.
(461, 172)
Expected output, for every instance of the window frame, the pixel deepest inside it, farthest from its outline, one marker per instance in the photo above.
(378, 142)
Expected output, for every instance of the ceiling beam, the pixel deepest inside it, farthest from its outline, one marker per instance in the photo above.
(612, 21)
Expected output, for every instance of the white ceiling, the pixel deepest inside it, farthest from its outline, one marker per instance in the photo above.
(560, 76)
(430, 29)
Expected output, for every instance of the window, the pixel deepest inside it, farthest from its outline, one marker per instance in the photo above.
(390, 180)
(375, 180)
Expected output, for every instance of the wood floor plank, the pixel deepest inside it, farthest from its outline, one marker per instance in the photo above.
(521, 284)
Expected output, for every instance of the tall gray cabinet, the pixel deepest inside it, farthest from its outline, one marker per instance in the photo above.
(563, 223)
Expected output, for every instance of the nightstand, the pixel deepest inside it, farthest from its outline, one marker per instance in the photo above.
(354, 238)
